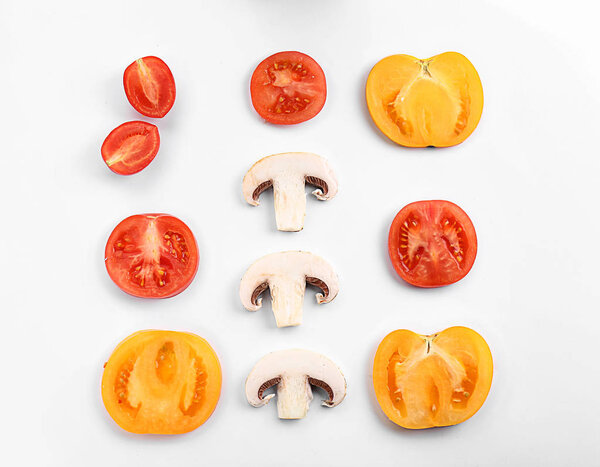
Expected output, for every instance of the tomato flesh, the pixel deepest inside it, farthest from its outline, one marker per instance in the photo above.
(152, 255)
(130, 147)
(150, 86)
(432, 243)
(437, 101)
(437, 380)
(288, 88)
(161, 382)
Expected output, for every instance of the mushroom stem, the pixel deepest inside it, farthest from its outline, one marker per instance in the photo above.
(287, 297)
(293, 397)
(290, 203)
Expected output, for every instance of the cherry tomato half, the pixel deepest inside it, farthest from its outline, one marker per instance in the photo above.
(150, 86)
(130, 147)
(288, 88)
(151, 255)
(432, 243)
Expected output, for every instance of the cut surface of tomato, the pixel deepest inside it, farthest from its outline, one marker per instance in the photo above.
(150, 86)
(161, 382)
(432, 243)
(437, 380)
(288, 88)
(130, 147)
(151, 255)
(437, 101)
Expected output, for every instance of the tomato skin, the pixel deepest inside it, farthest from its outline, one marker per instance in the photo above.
(129, 148)
(288, 88)
(150, 86)
(161, 382)
(152, 256)
(432, 243)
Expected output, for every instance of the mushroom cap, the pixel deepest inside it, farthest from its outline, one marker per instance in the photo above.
(313, 168)
(288, 266)
(318, 369)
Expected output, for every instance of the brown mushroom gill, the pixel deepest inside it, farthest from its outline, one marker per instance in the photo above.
(266, 385)
(260, 188)
(314, 281)
(323, 385)
(260, 289)
(313, 381)
(315, 181)
(319, 183)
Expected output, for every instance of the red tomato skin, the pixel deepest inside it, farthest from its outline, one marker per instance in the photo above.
(260, 76)
(162, 86)
(438, 280)
(116, 137)
(140, 219)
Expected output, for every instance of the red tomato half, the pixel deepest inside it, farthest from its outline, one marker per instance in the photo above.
(150, 86)
(151, 255)
(432, 243)
(130, 147)
(288, 88)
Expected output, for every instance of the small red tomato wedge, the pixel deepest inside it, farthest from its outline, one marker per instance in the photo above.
(288, 88)
(151, 255)
(432, 243)
(150, 86)
(130, 147)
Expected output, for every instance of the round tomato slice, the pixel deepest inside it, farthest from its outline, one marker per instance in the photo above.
(432, 243)
(438, 380)
(161, 382)
(150, 86)
(288, 88)
(151, 255)
(130, 147)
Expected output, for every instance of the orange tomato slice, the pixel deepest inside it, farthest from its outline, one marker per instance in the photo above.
(437, 380)
(161, 382)
(433, 102)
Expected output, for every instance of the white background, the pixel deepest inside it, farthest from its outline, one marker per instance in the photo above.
(528, 178)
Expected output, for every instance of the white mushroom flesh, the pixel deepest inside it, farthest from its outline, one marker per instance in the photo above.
(293, 371)
(288, 173)
(290, 202)
(286, 275)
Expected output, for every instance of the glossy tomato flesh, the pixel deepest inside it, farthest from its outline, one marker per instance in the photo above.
(152, 255)
(437, 101)
(130, 147)
(288, 88)
(161, 382)
(437, 380)
(150, 86)
(432, 243)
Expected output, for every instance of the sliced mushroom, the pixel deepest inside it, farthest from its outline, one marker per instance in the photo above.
(286, 275)
(293, 371)
(287, 173)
